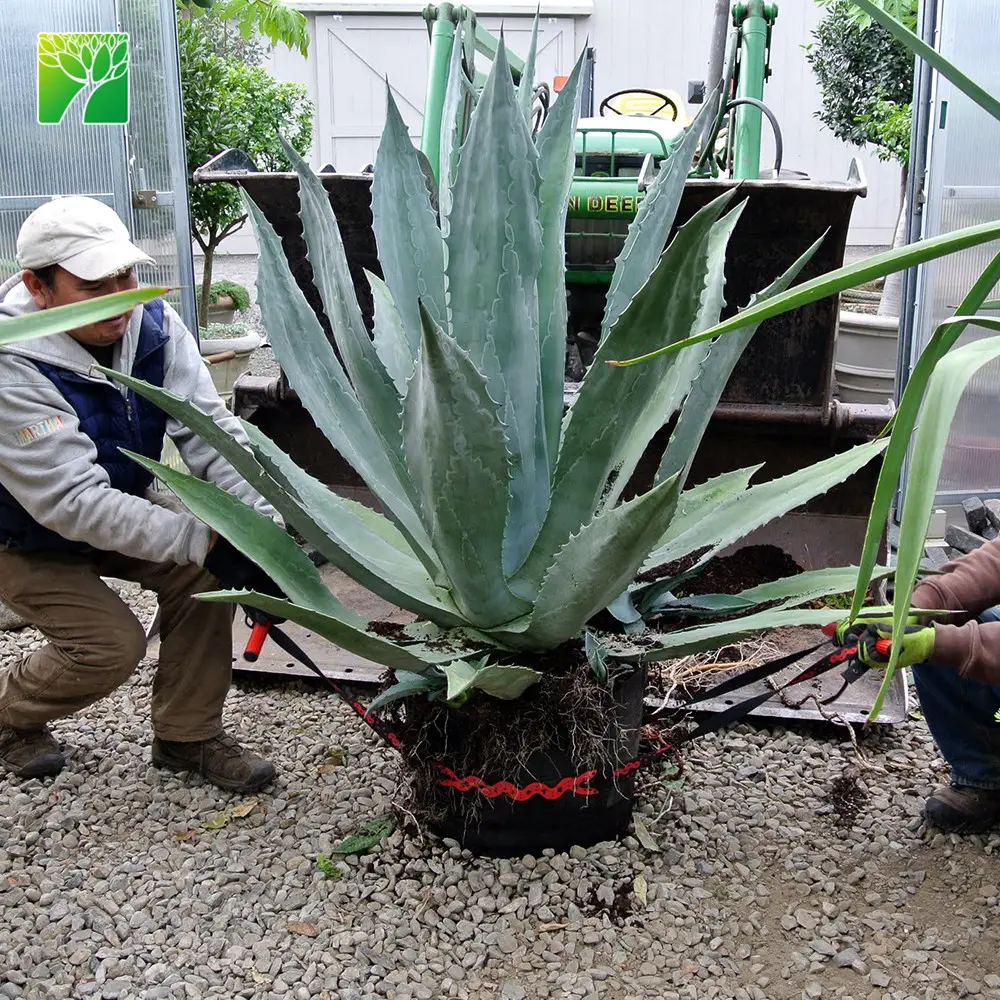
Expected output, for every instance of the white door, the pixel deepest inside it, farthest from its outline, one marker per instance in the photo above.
(356, 54)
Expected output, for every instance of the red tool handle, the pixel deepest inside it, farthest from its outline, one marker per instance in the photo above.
(258, 635)
(882, 646)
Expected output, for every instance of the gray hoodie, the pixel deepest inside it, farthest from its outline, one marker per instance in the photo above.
(55, 476)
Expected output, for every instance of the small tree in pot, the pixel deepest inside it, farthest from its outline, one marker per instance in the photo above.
(231, 103)
(505, 532)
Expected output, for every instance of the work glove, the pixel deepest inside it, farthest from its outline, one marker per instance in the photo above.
(845, 632)
(235, 572)
(875, 645)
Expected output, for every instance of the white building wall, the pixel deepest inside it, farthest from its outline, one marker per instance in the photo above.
(641, 43)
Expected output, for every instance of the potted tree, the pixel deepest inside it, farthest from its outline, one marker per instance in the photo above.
(537, 592)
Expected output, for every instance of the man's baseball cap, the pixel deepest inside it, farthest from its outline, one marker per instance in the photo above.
(83, 235)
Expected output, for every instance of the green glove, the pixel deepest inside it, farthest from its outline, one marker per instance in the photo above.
(846, 631)
(917, 645)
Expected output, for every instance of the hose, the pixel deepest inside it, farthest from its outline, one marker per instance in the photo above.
(778, 144)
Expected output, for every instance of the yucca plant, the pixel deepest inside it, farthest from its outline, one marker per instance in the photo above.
(503, 528)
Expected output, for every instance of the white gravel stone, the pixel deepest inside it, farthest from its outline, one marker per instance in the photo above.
(111, 885)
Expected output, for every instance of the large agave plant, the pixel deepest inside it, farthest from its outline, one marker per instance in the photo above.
(504, 529)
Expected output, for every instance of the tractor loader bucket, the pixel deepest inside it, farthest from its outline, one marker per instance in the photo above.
(778, 407)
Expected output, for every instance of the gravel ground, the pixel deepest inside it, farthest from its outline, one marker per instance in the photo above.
(118, 880)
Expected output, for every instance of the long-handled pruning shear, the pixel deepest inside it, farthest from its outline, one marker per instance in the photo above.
(847, 654)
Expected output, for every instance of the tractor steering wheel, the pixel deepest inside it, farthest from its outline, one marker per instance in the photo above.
(666, 102)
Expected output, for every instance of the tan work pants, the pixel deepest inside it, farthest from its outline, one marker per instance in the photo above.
(96, 643)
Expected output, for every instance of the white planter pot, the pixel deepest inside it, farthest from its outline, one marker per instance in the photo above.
(225, 373)
(865, 361)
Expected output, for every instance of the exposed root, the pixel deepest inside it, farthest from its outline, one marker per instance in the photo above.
(493, 740)
(702, 670)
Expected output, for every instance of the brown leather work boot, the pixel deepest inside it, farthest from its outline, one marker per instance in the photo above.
(220, 759)
(30, 753)
(962, 809)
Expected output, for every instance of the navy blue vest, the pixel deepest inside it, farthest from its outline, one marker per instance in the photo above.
(112, 421)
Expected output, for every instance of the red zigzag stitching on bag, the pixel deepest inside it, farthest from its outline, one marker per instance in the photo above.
(580, 785)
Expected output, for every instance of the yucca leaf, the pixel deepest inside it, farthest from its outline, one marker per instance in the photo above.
(594, 566)
(676, 386)
(594, 438)
(391, 342)
(526, 88)
(556, 162)
(905, 419)
(849, 276)
(647, 235)
(932, 57)
(495, 318)
(356, 539)
(59, 319)
(373, 386)
(310, 364)
(944, 391)
(348, 633)
(255, 535)
(410, 247)
(710, 383)
(458, 458)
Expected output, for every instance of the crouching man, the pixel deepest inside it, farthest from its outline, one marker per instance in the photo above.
(73, 508)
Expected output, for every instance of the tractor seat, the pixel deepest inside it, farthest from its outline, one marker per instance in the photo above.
(638, 103)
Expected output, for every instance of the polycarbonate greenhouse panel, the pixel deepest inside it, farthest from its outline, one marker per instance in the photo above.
(135, 163)
(963, 189)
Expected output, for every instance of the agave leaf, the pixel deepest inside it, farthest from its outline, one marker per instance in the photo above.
(526, 89)
(932, 57)
(674, 389)
(790, 591)
(701, 638)
(321, 383)
(653, 222)
(849, 276)
(45, 322)
(410, 247)
(494, 256)
(407, 684)
(905, 419)
(348, 633)
(325, 251)
(711, 381)
(597, 656)
(507, 683)
(595, 566)
(595, 439)
(451, 113)
(556, 161)
(255, 535)
(458, 458)
(766, 501)
(944, 390)
(697, 504)
(358, 540)
(391, 342)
